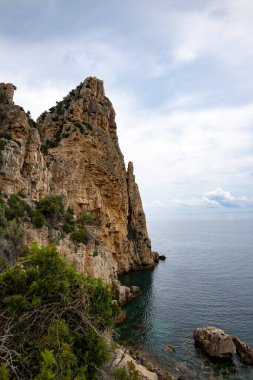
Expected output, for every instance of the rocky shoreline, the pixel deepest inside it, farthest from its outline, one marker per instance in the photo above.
(214, 342)
(146, 365)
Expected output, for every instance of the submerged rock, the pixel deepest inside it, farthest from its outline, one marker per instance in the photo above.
(214, 342)
(169, 348)
(244, 351)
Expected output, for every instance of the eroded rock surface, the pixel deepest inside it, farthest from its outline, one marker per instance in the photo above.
(122, 359)
(73, 151)
(244, 351)
(214, 341)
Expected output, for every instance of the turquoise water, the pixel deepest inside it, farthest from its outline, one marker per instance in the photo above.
(207, 279)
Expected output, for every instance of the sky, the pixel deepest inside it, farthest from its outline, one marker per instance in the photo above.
(178, 72)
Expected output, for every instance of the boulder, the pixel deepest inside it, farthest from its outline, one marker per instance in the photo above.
(135, 290)
(162, 257)
(123, 294)
(244, 351)
(214, 342)
(120, 318)
(126, 294)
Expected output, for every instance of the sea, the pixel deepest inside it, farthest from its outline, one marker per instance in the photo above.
(206, 279)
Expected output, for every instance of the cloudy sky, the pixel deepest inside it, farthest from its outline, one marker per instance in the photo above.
(178, 72)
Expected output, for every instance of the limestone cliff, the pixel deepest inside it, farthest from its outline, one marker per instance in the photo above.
(73, 150)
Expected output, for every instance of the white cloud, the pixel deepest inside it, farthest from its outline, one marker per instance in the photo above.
(186, 128)
(217, 198)
(157, 203)
(186, 145)
(48, 70)
(220, 30)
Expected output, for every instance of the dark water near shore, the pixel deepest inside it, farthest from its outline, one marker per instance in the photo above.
(207, 279)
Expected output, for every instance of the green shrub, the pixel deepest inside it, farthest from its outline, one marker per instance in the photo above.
(5, 135)
(3, 97)
(47, 366)
(80, 126)
(18, 208)
(11, 242)
(14, 233)
(129, 373)
(55, 319)
(11, 231)
(3, 113)
(38, 219)
(57, 137)
(3, 219)
(89, 126)
(43, 115)
(69, 216)
(2, 144)
(80, 235)
(2, 267)
(67, 228)
(132, 233)
(52, 208)
(84, 218)
(4, 372)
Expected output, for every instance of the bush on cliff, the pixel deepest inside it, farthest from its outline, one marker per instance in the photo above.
(51, 206)
(84, 219)
(12, 210)
(126, 373)
(80, 235)
(52, 319)
(16, 208)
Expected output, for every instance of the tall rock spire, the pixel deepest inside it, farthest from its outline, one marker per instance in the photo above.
(73, 150)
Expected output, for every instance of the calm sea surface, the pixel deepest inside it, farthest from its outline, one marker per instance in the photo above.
(207, 279)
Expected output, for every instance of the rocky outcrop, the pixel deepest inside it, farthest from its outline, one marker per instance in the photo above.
(156, 256)
(126, 294)
(73, 151)
(244, 351)
(122, 359)
(22, 165)
(214, 342)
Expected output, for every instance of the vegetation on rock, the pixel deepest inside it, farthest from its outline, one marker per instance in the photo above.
(129, 373)
(52, 319)
(52, 208)
(49, 212)
(12, 210)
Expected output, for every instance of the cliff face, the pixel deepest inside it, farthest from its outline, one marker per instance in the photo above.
(73, 151)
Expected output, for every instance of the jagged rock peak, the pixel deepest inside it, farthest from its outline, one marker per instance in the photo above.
(73, 151)
(6, 93)
(95, 85)
(81, 112)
